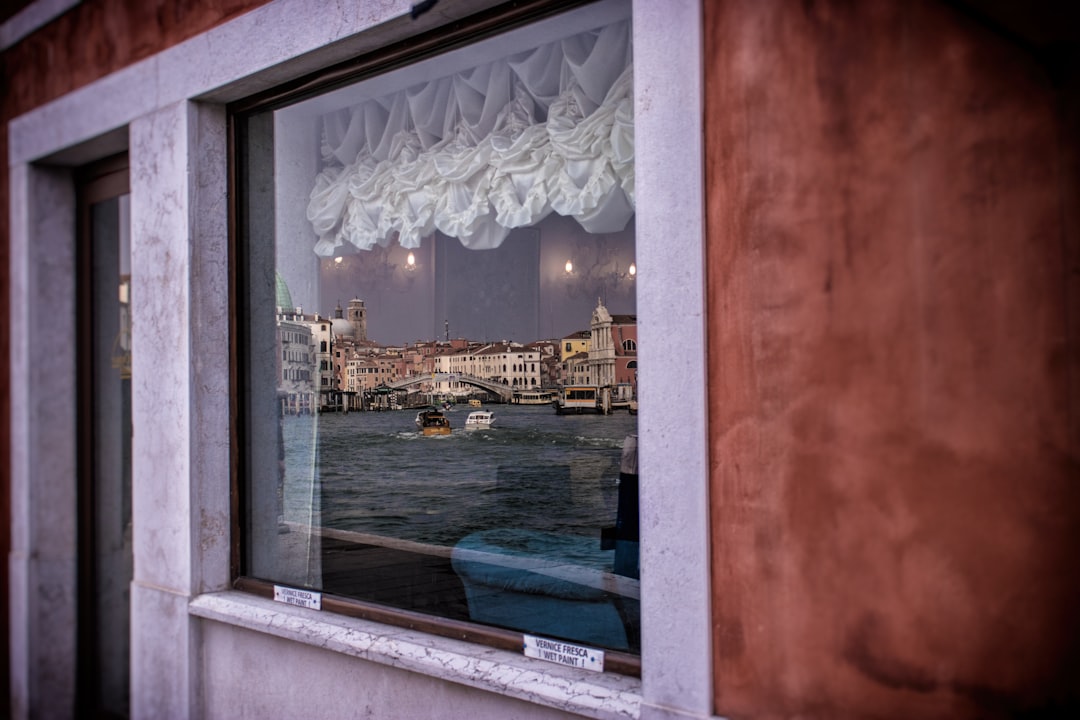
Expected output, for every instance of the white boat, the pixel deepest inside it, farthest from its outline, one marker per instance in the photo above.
(577, 399)
(479, 420)
(533, 397)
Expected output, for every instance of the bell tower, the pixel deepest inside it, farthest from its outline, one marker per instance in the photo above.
(357, 315)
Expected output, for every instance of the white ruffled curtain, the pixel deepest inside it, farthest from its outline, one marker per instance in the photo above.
(476, 154)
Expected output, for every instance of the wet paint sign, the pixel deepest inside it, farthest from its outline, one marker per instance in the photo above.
(564, 653)
(302, 598)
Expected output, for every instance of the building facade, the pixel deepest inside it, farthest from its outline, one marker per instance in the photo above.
(298, 382)
(575, 343)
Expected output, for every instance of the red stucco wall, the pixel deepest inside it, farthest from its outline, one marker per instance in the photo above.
(893, 283)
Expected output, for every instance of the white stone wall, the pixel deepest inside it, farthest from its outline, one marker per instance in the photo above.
(344, 687)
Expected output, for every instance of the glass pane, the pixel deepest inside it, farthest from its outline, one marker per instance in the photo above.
(440, 375)
(111, 429)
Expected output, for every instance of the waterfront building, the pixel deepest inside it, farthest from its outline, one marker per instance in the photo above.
(296, 364)
(578, 370)
(520, 366)
(624, 342)
(322, 337)
(490, 362)
(511, 364)
(624, 334)
(305, 341)
(601, 348)
(609, 357)
(574, 343)
(412, 361)
(367, 372)
(452, 360)
(550, 363)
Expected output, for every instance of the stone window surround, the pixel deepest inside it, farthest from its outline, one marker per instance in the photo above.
(168, 111)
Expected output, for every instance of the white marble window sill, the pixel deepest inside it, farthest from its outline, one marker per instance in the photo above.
(595, 695)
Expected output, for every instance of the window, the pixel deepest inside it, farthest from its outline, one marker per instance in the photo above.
(445, 196)
(105, 450)
(629, 345)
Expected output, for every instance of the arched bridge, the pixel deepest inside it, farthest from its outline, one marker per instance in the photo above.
(505, 392)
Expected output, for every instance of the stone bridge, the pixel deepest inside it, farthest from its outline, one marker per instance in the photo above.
(505, 392)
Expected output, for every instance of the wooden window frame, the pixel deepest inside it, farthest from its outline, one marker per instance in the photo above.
(434, 42)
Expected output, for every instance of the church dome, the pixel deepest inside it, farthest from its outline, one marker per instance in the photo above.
(341, 326)
(284, 297)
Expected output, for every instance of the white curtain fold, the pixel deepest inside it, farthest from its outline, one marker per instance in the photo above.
(476, 154)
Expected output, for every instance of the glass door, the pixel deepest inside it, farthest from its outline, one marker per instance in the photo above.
(105, 549)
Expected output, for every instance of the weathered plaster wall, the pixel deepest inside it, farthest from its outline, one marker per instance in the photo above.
(893, 286)
(98, 37)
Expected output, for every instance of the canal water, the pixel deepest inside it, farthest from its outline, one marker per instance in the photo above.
(373, 472)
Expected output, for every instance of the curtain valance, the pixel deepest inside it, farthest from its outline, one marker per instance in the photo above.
(476, 154)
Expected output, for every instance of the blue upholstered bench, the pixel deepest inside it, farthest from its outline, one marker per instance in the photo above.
(547, 584)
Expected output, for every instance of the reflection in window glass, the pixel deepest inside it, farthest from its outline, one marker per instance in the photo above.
(440, 335)
(106, 532)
